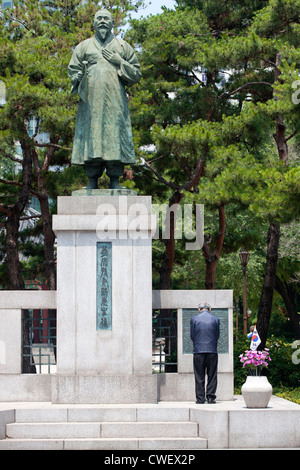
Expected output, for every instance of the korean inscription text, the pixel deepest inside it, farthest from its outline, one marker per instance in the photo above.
(104, 286)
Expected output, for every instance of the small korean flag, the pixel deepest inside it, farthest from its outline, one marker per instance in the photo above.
(255, 340)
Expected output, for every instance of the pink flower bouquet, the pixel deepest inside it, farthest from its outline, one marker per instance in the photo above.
(254, 360)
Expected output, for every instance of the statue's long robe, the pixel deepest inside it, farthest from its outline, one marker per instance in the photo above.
(103, 127)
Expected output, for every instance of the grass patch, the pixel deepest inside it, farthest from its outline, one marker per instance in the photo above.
(288, 394)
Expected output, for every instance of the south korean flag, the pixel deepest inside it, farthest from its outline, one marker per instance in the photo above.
(255, 340)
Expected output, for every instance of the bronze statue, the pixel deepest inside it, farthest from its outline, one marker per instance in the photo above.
(99, 70)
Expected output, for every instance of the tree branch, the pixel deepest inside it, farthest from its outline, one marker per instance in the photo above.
(268, 61)
(13, 158)
(244, 86)
(4, 208)
(221, 233)
(194, 179)
(290, 136)
(14, 18)
(29, 217)
(37, 128)
(49, 155)
(50, 144)
(12, 183)
(160, 178)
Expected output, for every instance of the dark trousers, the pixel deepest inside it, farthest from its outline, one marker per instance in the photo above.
(205, 363)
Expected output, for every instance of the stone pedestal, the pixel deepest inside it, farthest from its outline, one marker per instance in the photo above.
(104, 300)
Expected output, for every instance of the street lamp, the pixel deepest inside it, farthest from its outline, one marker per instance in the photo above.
(244, 257)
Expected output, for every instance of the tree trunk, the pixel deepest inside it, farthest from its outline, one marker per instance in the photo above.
(169, 256)
(42, 195)
(289, 296)
(49, 240)
(14, 213)
(12, 250)
(265, 304)
(167, 265)
(212, 258)
(49, 236)
(168, 261)
(50, 265)
(211, 261)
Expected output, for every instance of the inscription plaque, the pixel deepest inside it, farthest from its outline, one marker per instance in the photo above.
(104, 282)
(221, 313)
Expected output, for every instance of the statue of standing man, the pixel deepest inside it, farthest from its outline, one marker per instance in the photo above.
(99, 69)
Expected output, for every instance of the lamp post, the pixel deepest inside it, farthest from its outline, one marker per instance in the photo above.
(244, 257)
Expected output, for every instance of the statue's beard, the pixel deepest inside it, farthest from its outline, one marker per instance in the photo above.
(103, 33)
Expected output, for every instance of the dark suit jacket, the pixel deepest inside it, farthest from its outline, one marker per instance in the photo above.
(205, 332)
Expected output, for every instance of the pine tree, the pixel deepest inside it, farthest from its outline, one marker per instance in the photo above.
(240, 127)
(36, 45)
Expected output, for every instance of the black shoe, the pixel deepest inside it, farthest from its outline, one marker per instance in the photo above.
(211, 401)
(93, 183)
(200, 402)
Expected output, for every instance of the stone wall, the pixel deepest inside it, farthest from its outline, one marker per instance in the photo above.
(15, 386)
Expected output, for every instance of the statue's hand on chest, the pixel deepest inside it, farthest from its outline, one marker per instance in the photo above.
(113, 57)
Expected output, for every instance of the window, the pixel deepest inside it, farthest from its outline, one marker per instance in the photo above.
(7, 5)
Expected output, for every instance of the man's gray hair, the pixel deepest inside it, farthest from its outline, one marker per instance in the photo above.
(204, 306)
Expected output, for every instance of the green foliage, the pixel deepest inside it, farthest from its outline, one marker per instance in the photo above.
(288, 393)
(223, 15)
(187, 119)
(281, 372)
(36, 45)
(241, 344)
(36, 40)
(227, 120)
(228, 123)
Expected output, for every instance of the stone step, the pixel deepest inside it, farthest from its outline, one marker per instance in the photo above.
(164, 443)
(93, 427)
(64, 430)
(100, 414)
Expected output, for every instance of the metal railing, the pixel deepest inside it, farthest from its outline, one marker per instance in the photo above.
(164, 341)
(39, 341)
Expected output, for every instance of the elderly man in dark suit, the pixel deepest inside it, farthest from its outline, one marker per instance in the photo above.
(205, 332)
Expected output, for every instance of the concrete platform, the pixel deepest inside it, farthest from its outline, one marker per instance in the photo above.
(162, 426)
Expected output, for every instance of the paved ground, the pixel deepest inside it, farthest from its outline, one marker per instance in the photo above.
(276, 403)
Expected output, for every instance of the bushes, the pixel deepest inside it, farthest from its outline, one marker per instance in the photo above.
(288, 394)
(282, 372)
(241, 344)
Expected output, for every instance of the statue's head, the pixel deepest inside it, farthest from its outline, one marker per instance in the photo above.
(103, 23)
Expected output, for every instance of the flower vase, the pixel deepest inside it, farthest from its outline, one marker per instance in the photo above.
(257, 391)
